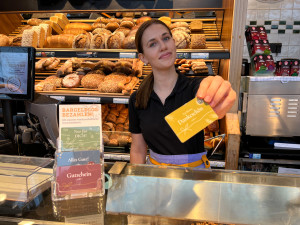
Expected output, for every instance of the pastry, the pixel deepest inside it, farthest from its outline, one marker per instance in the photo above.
(82, 41)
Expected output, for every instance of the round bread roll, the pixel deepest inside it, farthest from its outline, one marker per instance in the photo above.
(179, 24)
(102, 20)
(115, 40)
(129, 42)
(71, 81)
(112, 26)
(49, 87)
(83, 26)
(54, 80)
(98, 25)
(82, 41)
(127, 19)
(124, 30)
(127, 24)
(92, 80)
(34, 22)
(4, 40)
(182, 39)
(99, 41)
(143, 19)
(114, 20)
(183, 29)
(101, 31)
(166, 20)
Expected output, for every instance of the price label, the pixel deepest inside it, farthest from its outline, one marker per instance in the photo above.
(128, 55)
(59, 98)
(45, 54)
(86, 54)
(120, 100)
(183, 55)
(89, 99)
(200, 55)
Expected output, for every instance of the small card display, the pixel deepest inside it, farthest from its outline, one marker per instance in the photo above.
(80, 138)
(191, 118)
(72, 179)
(77, 158)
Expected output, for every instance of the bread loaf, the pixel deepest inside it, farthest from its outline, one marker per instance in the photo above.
(101, 31)
(47, 28)
(40, 35)
(98, 25)
(60, 41)
(71, 81)
(166, 20)
(83, 26)
(112, 26)
(4, 40)
(82, 41)
(196, 25)
(99, 41)
(58, 21)
(74, 31)
(129, 42)
(29, 38)
(115, 40)
(54, 80)
(181, 39)
(198, 41)
(63, 17)
(179, 24)
(55, 28)
(15, 40)
(124, 30)
(34, 22)
(92, 80)
(143, 19)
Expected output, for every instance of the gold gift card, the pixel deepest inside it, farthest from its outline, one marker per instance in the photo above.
(191, 118)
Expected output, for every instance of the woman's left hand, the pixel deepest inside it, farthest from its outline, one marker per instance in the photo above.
(218, 93)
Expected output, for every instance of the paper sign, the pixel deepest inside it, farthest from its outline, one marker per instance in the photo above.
(191, 118)
(77, 158)
(72, 179)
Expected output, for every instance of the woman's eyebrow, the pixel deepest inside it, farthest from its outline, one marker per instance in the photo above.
(153, 39)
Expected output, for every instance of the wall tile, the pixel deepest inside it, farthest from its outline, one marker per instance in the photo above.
(260, 22)
(294, 51)
(284, 50)
(261, 5)
(295, 39)
(263, 14)
(287, 4)
(273, 38)
(286, 14)
(297, 4)
(275, 5)
(296, 27)
(296, 14)
(252, 4)
(251, 15)
(275, 22)
(288, 31)
(274, 14)
(284, 38)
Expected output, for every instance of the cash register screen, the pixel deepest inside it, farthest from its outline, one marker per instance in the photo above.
(17, 73)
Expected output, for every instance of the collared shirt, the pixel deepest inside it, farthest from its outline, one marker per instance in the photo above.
(151, 123)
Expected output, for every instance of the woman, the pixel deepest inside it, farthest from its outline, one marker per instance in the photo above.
(160, 94)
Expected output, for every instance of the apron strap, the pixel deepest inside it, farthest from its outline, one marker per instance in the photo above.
(192, 164)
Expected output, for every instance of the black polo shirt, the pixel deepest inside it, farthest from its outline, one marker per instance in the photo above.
(151, 123)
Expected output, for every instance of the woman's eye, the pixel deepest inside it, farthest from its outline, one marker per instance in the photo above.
(152, 44)
(166, 38)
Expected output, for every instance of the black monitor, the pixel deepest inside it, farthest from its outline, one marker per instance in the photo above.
(17, 66)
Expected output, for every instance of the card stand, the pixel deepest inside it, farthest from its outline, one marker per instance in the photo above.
(79, 180)
(23, 180)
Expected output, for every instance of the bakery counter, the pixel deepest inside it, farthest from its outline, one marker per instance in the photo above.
(176, 196)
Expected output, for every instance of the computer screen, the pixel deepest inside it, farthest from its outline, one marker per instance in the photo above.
(17, 73)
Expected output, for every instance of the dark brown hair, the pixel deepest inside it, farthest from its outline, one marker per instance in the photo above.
(146, 87)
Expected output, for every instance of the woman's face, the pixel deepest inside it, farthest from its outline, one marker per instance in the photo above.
(159, 48)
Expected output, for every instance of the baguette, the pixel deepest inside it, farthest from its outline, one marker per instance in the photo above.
(60, 41)
(83, 26)
(53, 65)
(34, 22)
